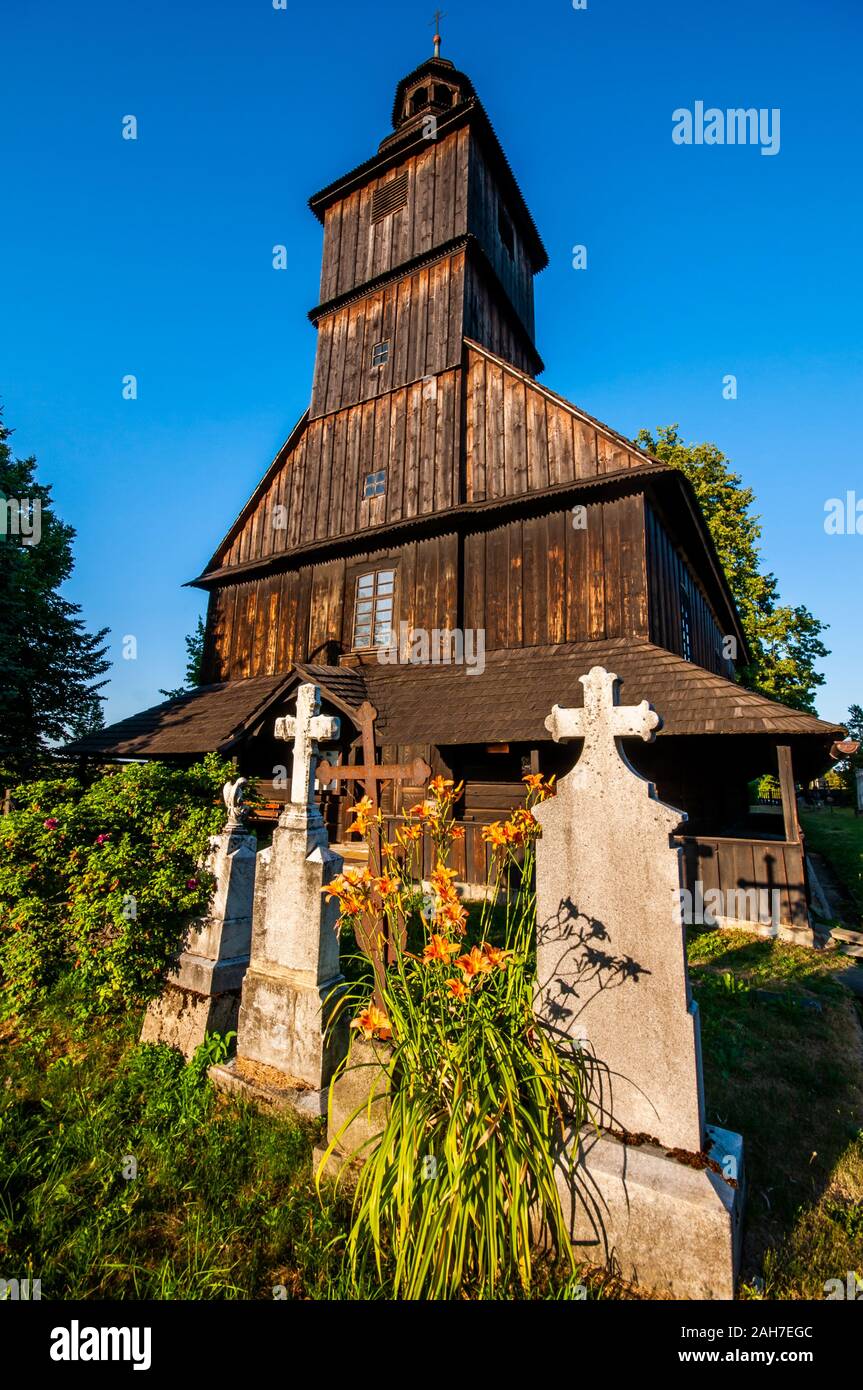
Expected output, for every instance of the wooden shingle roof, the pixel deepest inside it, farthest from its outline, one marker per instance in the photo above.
(510, 700)
(212, 718)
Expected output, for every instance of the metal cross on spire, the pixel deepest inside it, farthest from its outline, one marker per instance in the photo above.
(438, 16)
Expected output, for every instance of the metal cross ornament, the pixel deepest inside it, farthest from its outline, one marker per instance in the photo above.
(307, 728)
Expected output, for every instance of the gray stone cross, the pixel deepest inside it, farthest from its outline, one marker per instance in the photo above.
(306, 728)
(601, 720)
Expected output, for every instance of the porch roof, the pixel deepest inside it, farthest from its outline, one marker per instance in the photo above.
(446, 705)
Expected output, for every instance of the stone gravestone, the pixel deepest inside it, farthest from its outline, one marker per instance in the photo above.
(651, 1189)
(286, 1052)
(202, 993)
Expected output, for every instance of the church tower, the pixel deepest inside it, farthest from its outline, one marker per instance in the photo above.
(425, 244)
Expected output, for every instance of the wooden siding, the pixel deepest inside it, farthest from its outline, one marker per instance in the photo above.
(315, 491)
(521, 439)
(489, 321)
(668, 574)
(357, 250)
(261, 627)
(540, 581)
(514, 271)
(421, 316)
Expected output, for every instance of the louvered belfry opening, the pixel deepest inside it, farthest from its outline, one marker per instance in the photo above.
(390, 197)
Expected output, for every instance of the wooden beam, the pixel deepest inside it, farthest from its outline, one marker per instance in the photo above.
(789, 797)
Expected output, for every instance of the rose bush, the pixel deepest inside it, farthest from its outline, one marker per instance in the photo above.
(100, 881)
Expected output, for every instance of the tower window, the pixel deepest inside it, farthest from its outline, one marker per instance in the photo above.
(389, 197)
(380, 354)
(375, 483)
(373, 613)
(442, 95)
(504, 227)
(419, 99)
(685, 626)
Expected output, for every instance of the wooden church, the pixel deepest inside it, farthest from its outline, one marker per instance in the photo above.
(435, 490)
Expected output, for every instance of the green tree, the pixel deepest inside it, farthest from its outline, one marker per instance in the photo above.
(194, 663)
(847, 768)
(785, 641)
(49, 663)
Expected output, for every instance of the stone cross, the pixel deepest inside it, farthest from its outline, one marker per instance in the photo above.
(602, 720)
(306, 728)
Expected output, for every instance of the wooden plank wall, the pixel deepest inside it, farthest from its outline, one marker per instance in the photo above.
(486, 321)
(357, 250)
(514, 272)
(519, 439)
(539, 581)
(261, 627)
(668, 573)
(414, 433)
(420, 315)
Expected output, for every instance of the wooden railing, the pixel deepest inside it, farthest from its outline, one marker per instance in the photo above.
(741, 866)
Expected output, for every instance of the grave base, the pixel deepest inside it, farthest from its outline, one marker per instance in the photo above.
(268, 1088)
(200, 997)
(657, 1222)
(357, 1105)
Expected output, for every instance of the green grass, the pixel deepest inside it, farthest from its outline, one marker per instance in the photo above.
(838, 835)
(224, 1205)
(783, 1064)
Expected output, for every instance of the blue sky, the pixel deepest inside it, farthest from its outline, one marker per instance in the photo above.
(154, 257)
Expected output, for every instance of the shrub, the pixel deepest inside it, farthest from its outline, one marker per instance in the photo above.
(455, 1186)
(102, 880)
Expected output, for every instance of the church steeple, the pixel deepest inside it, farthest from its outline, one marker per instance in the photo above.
(427, 243)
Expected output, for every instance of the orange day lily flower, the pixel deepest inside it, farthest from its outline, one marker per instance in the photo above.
(373, 1023)
(475, 962)
(439, 948)
(458, 988)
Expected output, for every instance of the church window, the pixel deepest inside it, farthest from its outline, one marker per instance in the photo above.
(373, 612)
(419, 99)
(442, 95)
(504, 226)
(375, 483)
(685, 626)
(380, 354)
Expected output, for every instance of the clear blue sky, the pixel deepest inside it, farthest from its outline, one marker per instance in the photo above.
(154, 258)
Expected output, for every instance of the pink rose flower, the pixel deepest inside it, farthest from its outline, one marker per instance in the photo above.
(191, 883)
(100, 839)
(50, 823)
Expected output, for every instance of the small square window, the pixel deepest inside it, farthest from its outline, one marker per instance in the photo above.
(381, 354)
(375, 483)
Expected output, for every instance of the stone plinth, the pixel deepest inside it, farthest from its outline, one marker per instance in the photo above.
(202, 993)
(657, 1222)
(294, 981)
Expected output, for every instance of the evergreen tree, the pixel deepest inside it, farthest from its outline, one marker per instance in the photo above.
(785, 642)
(49, 663)
(194, 663)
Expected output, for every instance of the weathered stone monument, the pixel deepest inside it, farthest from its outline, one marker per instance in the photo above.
(655, 1191)
(202, 993)
(287, 1048)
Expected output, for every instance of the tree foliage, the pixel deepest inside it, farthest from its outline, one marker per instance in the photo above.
(194, 663)
(49, 663)
(99, 881)
(785, 641)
